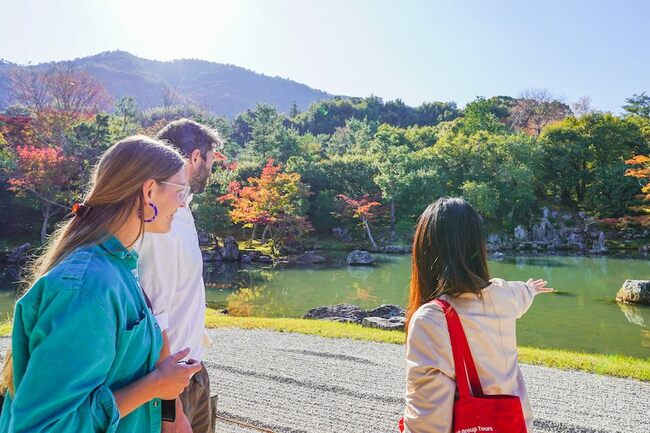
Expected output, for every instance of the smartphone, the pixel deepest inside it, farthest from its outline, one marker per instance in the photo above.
(168, 410)
(168, 407)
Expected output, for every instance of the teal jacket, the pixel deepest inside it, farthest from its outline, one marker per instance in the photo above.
(80, 332)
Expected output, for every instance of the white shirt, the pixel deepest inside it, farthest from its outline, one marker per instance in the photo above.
(171, 274)
(489, 325)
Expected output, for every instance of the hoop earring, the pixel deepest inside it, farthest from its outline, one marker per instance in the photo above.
(155, 214)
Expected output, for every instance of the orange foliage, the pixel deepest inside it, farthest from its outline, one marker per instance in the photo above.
(273, 199)
(362, 208)
(40, 169)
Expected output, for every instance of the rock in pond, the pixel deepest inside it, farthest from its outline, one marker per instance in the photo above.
(521, 234)
(213, 255)
(391, 324)
(230, 250)
(340, 320)
(387, 311)
(360, 258)
(636, 291)
(395, 249)
(265, 259)
(307, 258)
(335, 312)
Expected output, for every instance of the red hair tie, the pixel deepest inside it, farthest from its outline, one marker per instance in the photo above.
(79, 209)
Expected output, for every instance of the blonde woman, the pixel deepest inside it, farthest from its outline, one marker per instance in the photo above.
(87, 353)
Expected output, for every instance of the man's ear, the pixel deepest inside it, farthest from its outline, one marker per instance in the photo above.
(195, 157)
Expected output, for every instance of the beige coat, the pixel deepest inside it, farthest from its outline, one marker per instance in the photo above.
(489, 325)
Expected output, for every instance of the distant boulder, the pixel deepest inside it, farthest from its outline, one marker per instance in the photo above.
(212, 255)
(307, 258)
(360, 258)
(521, 234)
(265, 259)
(395, 249)
(349, 312)
(635, 291)
(230, 249)
(391, 324)
(387, 311)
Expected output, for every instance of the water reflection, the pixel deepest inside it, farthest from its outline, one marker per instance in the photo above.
(223, 275)
(360, 272)
(637, 315)
(580, 316)
(243, 302)
(546, 262)
(361, 293)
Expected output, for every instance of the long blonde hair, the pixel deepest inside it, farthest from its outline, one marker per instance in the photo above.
(114, 191)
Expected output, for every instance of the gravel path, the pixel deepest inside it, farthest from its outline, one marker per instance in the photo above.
(291, 383)
(298, 383)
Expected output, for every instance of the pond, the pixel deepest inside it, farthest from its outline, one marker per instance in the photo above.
(582, 316)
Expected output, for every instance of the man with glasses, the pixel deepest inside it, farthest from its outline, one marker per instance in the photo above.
(171, 274)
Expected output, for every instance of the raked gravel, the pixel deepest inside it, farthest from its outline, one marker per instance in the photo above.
(294, 383)
(300, 383)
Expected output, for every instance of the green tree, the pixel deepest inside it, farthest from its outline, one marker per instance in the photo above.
(480, 116)
(391, 155)
(432, 113)
(584, 160)
(269, 137)
(492, 170)
(566, 154)
(354, 137)
(294, 112)
(638, 105)
(126, 116)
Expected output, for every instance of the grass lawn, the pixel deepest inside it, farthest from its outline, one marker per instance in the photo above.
(609, 365)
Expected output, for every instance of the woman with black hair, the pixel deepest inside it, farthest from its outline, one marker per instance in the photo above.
(450, 264)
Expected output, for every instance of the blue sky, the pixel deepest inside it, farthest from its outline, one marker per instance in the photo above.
(415, 50)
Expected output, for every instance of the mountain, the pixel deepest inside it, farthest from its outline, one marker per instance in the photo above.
(5, 67)
(219, 88)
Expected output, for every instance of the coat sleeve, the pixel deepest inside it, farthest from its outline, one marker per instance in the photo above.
(430, 385)
(71, 348)
(522, 296)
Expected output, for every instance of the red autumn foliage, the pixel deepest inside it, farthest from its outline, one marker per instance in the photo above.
(58, 99)
(275, 199)
(17, 130)
(362, 208)
(41, 170)
(222, 161)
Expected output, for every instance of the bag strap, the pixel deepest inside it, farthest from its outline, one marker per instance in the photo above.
(146, 299)
(463, 359)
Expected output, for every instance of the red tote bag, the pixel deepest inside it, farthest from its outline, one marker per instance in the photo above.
(475, 412)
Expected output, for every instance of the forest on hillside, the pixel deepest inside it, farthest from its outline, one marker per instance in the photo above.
(361, 162)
